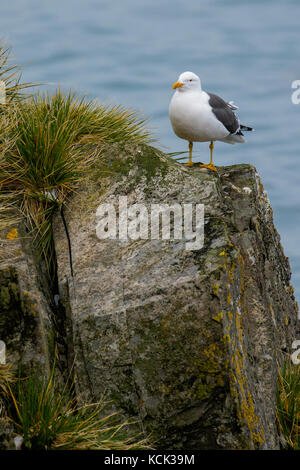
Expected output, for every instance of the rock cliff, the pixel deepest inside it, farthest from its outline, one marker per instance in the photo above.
(189, 341)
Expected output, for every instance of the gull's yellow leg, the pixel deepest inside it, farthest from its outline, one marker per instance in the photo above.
(190, 163)
(211, 165)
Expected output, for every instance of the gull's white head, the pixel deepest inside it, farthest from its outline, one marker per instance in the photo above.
(187, 81)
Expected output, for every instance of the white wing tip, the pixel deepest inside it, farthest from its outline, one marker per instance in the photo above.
(232, 105)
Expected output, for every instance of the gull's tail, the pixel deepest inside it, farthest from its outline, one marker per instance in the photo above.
(237, 137)
(246, 128)
(234, 138)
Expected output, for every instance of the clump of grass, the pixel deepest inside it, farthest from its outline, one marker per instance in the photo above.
(48, 418)
(45, 151)
(52, 153)
(7, 142)
(7, 378)
(51, 131)
(288, 404)
(10, 74)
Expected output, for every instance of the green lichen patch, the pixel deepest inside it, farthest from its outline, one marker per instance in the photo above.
(118, 160)
(150, 163)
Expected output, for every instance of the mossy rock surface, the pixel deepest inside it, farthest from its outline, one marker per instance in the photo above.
(186, 341)
(24, 311)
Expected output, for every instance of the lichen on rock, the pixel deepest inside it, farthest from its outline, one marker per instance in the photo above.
(187, 340)
(24, 311)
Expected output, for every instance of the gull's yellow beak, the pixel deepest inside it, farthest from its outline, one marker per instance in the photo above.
(177, 85)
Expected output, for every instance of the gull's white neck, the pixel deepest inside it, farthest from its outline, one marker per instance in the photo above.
(192, 89)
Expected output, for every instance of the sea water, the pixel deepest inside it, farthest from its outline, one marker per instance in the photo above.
(131, 51)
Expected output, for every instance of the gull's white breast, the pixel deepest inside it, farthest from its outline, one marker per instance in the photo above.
(192, 117)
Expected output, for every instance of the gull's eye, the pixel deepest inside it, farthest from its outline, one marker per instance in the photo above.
(190, 80)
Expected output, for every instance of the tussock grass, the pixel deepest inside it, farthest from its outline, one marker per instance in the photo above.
(45, 150)
(288, 404)
(48, 418)
(7, 199)
(10, 74)
(51, 132)
(52, 153)
(7, 378)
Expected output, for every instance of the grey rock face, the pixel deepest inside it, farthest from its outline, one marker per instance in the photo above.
(189, 341)
(25, 325)
(24, 311)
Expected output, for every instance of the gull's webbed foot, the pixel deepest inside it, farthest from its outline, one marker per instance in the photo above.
(210, 166)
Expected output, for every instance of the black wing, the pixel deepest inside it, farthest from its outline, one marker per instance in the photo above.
(223, 112)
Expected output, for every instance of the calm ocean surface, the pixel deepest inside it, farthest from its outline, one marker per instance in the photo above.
(131, 51)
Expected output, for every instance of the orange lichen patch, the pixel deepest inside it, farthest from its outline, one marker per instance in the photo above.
(211, 369)
(220, 382)
(234, 338)
(12, 235)
(239, 382)
(246, 409)
(230, 272)
(229, 267)
(213, 352)
(227, 338)
(230, 316)
(218, 318)
(215, 290)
